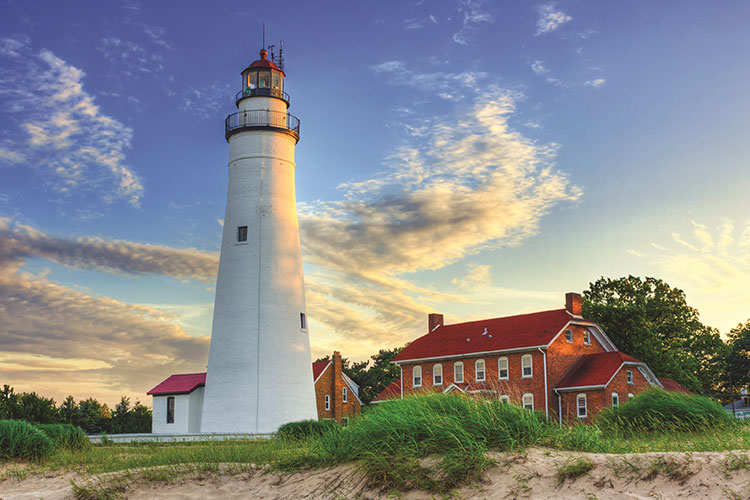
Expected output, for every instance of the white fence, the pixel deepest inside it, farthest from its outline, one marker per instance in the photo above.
(166, 438)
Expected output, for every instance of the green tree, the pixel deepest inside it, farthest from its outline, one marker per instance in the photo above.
(651, 321)
(10, 406)
(67, 410)
(140, 418)
(738, 357)
(372, 377)
(93, 416)
(37, 409)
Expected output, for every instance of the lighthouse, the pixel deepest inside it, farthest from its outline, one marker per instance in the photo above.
(259, 372)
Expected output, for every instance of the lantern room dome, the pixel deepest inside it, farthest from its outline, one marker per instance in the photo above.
(263, 78)
(264, 62)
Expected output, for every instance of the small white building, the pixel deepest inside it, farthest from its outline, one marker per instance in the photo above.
(178, 402)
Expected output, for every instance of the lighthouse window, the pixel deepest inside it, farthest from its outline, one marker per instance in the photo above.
(252, 79)
(264, 79)
(276, 81)
(242, 233)
(170, 410)
(303, 321)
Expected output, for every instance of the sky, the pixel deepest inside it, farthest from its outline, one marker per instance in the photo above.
(473, 158)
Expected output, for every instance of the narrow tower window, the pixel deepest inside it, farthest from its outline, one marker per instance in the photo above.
(303, 321)
(344, 395)
(242, 233)
(328, 402)
(170, 410)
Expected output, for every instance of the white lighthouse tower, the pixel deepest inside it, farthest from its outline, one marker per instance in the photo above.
(259, 367)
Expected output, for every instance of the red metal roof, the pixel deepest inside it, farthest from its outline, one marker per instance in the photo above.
(392, 391)
(671, 385)
(594, 369)
(179, 384)
(510, 332)
(319, 366)
(263, 62)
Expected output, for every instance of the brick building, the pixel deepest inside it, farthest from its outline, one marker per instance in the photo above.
(554, 361)
(336, 394)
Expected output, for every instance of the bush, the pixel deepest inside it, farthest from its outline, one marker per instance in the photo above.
(306, 428)
(66, 436)
(391, 441)
(660, 410)
(21, 440)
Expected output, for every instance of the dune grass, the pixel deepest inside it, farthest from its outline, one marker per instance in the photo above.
(65, 436)
(22, 441)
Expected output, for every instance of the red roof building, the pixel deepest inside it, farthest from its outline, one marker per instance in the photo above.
(554, 361)
(179, 384)
(336, 394)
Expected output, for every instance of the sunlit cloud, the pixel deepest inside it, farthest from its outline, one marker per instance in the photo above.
(478, 276)
(62, 131)
(596, 83)
(550, 19)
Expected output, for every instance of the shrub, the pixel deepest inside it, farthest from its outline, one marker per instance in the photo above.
(66, 436)
(660, 410)
(306, 428)
(21, 440)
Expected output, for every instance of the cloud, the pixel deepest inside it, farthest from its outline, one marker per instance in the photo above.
(439, 82)
(538, 67)
(635, 253)
(62, 131)
(415, 24)
(130, 59)
(550, 19)
(473, 17)
(207, 101)
(596, 83)
(470, 183)
(477, 277)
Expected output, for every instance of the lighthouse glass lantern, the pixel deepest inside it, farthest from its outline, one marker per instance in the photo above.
(263, 78)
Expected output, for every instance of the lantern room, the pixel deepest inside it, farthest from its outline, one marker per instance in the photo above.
(263, 78)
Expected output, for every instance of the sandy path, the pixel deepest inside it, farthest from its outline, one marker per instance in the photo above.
(517, 475)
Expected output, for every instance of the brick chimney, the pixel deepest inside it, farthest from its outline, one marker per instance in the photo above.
(573, 303)
(338, 388)
(434, 320)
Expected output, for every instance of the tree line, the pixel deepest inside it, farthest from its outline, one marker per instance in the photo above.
(645, 318)
(89, 414)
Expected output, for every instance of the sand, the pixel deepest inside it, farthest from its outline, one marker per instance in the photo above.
(534, 474)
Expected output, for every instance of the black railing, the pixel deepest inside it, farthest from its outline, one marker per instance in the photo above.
(248, 92)
(259, 119)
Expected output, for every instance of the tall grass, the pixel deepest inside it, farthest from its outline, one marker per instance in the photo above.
(21, 440)
(660, 411)
(65, 436)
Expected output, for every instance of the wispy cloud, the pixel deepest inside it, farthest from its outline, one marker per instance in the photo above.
(474, 16)
(207, 101)
(596, 83)
(131, 59)
(478, 276)
(78, 147)
(550, 18)
(415, 23)
(443, 84)
(538, 67)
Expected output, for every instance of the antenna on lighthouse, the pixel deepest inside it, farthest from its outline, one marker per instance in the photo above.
(263, 43)
(280, 62)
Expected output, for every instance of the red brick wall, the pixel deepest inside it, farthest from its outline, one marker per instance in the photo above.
(326, 386)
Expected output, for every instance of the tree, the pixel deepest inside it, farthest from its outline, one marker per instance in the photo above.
(93, 417)
(651, 321)
(38, 409)
(738, 357)
(67, 410)
(10, 406)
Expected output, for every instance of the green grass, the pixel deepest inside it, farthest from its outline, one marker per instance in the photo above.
(573, 468)
(21, 440)
(306, 428)
(65, 436)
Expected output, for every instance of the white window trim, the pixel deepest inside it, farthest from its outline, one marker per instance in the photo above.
(615, 396)
(630, 396)
(476, 370)
(344, 395)
(587, 337)
(585, 405)
(630, 377)
(328, 402)
(569, 330)
(505, 398)
(414, 376)
(435, 374)
(531, 366)
(455, 379)
(507, 368)
(523, 400)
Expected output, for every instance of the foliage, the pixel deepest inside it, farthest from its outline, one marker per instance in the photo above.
(573, 468)
(657, 410)
(372, 378)
(127, 420)
(65, 436)
(306, 428)
(738, 359)
(651, 321)
(21, 440)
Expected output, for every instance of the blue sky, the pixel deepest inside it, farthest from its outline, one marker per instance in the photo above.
(474, 158)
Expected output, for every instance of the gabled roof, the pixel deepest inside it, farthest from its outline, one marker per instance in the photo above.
(319, 367)
(392, 391)
(487, 335)
(595, 369)
(671, 385)
(179, 384)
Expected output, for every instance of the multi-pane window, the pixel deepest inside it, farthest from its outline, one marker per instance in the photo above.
(328, 402)
(528, 401)
(437, 374)
(502, 368)
(569, 336)
(581, 404)
(587, 337)
(630, 377)
(458, 372)
(344, 395)
(170, 409)
(242, 233)
(615, 399)
(416, 376)
(505, 398)
(526, 368)
(479, 370)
